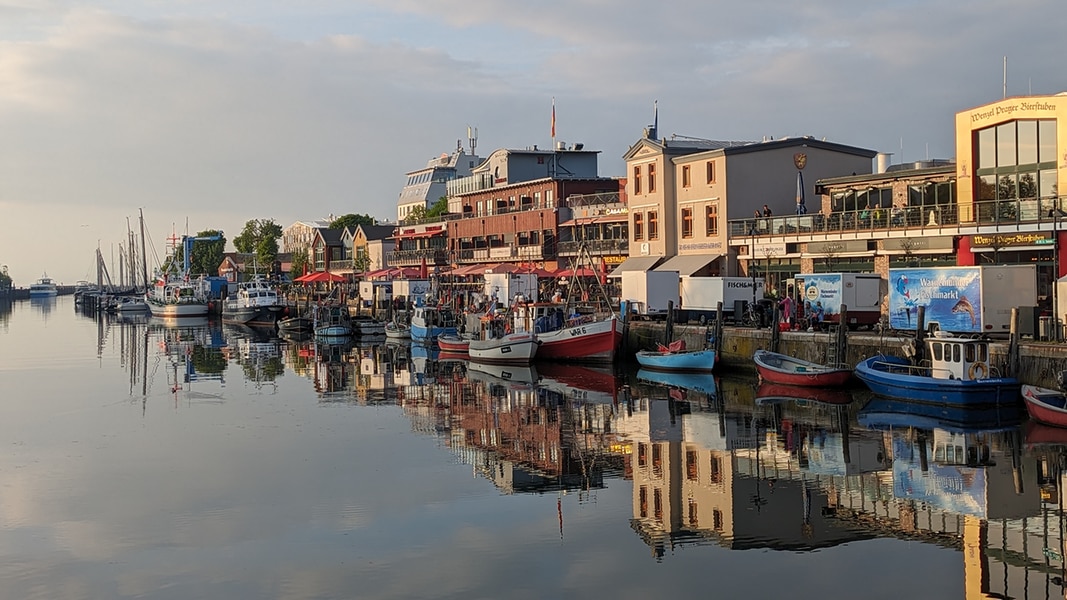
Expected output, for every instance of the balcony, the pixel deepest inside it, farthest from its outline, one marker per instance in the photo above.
(504, 254)
(597, 247)
(413, 258)
(987, 215)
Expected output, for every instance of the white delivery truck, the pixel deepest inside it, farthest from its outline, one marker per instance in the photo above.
(861, 293)
(506, 286)
(371, 292)
(970, 299)
(412, 291)
(702, 295)
(647, 293)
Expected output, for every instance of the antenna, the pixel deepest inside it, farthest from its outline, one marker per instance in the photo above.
(1005, 77)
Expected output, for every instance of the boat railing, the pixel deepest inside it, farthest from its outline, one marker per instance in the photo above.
(895, 367)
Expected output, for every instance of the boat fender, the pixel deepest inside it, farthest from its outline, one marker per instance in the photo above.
(979, 370)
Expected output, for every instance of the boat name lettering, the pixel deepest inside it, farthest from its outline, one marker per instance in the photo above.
(578, 331)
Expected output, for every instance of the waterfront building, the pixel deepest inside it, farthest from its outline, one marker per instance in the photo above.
(326, 248)
(682, 190)
(996, 202)
(238, 267)
(298, 236)
(427, 185)
(510, 208)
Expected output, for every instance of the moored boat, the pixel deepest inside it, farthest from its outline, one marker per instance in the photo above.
(1045, 405)
(453, 342)
(496, 345)
(43, 287)
(675, 357)
(780, 368)
(332, 321)
(256, 302)
(428, 322)
(176, 298)
(959, 373)
(367, 326)
(396, 330)
(583, 338)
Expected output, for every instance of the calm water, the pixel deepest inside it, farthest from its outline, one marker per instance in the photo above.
(149, 460)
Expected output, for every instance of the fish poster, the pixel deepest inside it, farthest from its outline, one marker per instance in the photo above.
(952, 297)
(822, 289)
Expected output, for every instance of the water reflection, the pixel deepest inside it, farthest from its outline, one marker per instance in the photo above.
(708, 461)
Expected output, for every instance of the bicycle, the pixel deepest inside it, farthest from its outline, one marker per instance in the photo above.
(751, 317)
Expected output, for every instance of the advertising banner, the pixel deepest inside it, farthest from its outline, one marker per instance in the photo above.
(952, 297)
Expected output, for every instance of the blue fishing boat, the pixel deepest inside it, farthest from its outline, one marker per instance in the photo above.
(675, 357)
(888, 413)
(958, 373)
(428, 322)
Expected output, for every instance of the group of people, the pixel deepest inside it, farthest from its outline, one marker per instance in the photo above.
(813, 312)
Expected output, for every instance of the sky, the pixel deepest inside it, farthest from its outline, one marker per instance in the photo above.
(205, 115)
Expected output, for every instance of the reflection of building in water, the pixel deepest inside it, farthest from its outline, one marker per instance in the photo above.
(520, 436)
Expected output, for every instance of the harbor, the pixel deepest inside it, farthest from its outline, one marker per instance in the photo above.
(377, 453)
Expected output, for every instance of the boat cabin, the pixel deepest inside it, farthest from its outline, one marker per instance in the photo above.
(434, 316)
(954, 357)
(540, 317)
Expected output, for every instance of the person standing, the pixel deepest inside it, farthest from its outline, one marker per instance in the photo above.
(786, 307)
(766, 210)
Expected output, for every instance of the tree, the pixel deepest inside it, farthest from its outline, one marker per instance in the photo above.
(438, 209)
(207, 254)
(417, 215)
(351, 220)
(300, 262)
(260, 237)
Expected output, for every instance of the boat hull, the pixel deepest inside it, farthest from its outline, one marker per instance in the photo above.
(887, 376)
(780, 392)
(887, 413)
(453, 343)
(198, 309)
(1045, 405)
(428, 334)
(512, 349)
(596, 341)
(786, 370)
(252, 315)
(697, 381)
(686, 361)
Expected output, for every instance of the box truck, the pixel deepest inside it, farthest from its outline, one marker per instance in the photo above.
(973, 299)
(701, 295)
(862, 293)
(505, 287)
(647, 293)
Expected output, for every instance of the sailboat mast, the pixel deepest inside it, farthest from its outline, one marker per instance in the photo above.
(144, 255)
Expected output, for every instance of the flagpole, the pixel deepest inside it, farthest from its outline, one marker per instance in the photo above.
(553, 122)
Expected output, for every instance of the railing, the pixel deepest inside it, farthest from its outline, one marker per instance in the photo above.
(341, 265)
(433, 256)
(504, 253)
(986, 212)
(619, 246)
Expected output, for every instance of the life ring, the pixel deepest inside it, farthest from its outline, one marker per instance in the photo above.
(979, 370)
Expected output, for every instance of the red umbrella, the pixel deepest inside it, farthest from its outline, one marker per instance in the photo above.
(579, 272)
(423, 271)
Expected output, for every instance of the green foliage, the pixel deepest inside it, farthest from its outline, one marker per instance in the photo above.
(417, 215)
(5, 279)
(300, 260)
(438, 209)
(259, 237)
(205, 258)
(351, 220)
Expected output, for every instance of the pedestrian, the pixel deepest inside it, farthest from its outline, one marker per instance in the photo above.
(786, 306)
(766, 210)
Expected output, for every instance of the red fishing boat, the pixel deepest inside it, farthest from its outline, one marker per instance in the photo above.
(582, 338)
(779, 368)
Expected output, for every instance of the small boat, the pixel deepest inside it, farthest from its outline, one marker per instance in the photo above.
(367, 326)
(43, 287)
(296, 324)
(129, 304)
(958, 373)
(397, 331)
(453, 342)
(780, 368)
(496, 345)
(171, 298)
(256, 302)
(674, 357)
(1045, 405)
(769, 393)
(428, 322)
(333, 321)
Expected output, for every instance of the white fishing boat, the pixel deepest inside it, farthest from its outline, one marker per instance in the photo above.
(176, 298)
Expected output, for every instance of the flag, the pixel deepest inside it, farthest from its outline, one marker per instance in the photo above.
(553, 117)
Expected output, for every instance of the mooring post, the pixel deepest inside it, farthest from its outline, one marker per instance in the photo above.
(669, 333)
(840, 341)
(1013, 344)
(718, 330)
(776, 330)
(920, 333)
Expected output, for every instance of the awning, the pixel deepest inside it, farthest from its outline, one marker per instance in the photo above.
(687, 264)
(419, 234)
(612, 218)
(635, 263)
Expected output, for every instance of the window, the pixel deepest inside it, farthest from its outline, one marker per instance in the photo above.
(652, 178)
(693, 520)
(685, 176)
(711, 171)
(639, 227)
(637, 179)
(687, 222)
(691, 465)
(712, 219)
(653, 225)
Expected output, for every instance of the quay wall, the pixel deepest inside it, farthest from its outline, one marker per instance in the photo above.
(1040, 363)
